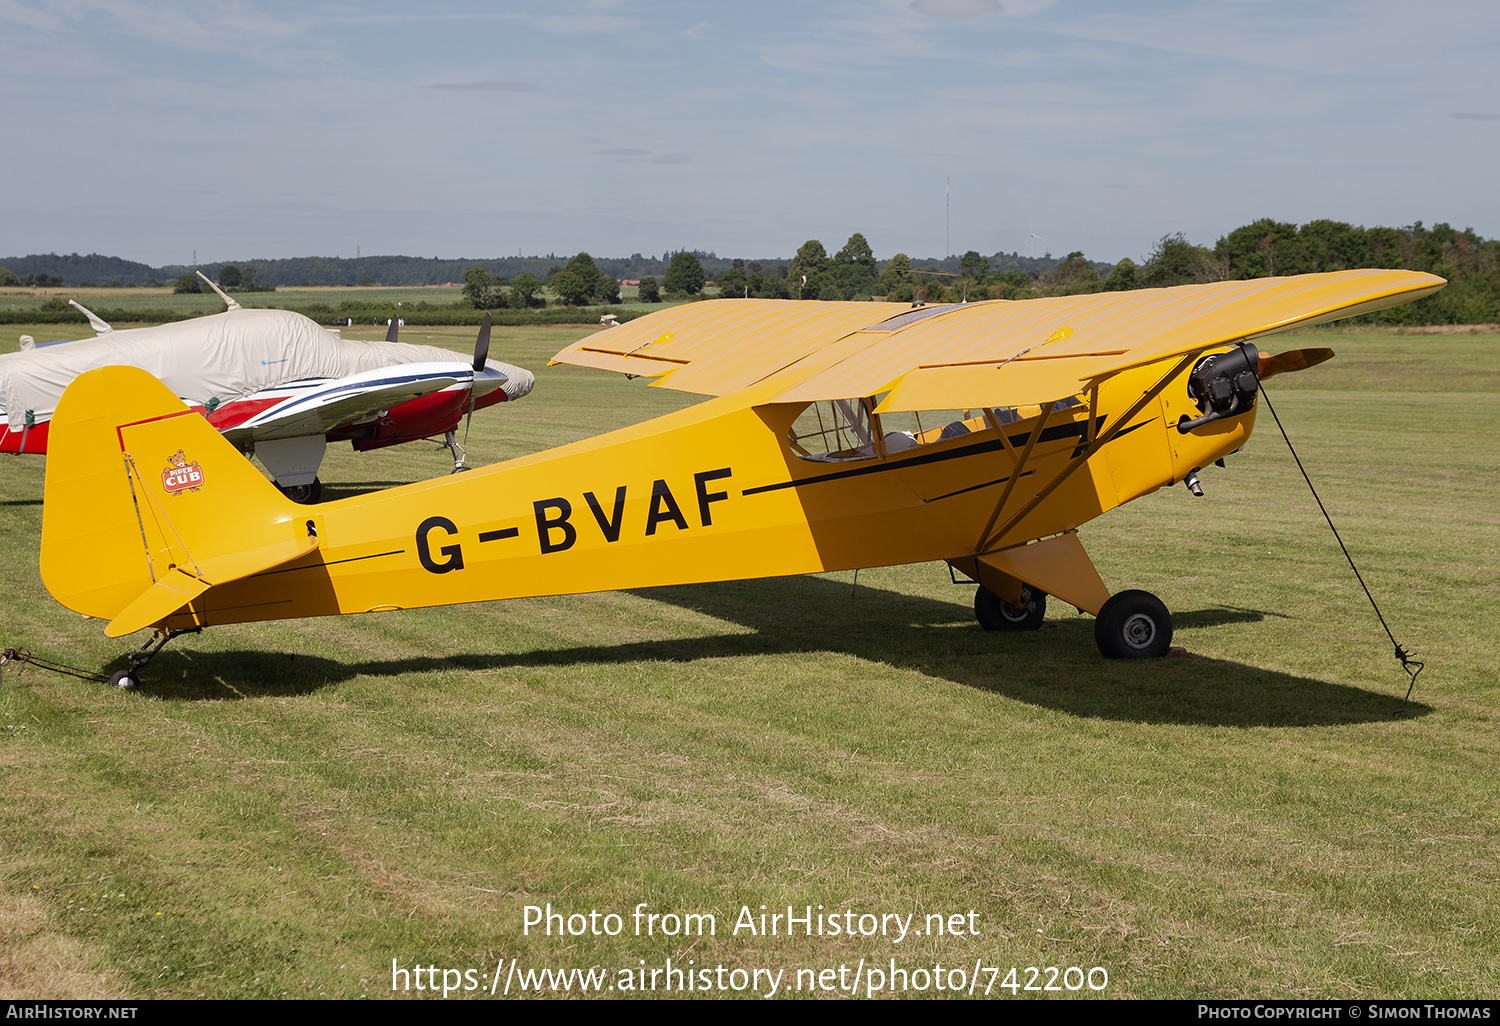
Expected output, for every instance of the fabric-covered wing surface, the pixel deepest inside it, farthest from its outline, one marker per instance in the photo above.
(946, 356)
(720, 346)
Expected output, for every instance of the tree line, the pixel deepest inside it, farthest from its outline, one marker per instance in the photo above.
(1263, 248)
(1260, 249)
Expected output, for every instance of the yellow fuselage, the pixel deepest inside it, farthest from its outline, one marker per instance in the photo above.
(714, 492)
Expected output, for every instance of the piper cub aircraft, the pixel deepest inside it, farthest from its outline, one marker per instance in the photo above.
(838, 436)
(278, 386)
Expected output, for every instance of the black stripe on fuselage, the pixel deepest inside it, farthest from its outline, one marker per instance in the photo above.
(314, 566)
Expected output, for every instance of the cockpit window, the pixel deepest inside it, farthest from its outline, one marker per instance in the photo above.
(843, 429)
(834, 431)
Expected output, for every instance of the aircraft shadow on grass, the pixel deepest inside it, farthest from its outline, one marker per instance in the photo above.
(1057, 669)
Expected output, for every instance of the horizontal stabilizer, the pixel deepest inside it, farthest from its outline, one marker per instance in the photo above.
(179, 586)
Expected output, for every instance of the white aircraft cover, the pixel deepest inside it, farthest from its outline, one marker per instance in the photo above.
(224, 356)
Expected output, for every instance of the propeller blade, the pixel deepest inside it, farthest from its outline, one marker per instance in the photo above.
(482, 344)
(1294, 360)
(481, 352)
(393, 330)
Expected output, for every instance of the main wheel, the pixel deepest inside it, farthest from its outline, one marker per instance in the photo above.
(994, 614)
(125, 679)
(1133, 625)
(307, 494)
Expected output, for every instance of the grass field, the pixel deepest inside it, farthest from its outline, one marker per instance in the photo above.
(286, 808)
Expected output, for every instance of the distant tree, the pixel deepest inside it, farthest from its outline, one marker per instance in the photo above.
(527, 290)
(583, 265)
(250, 282)
(733, 283)
(8, 277)
(854, 271)
(1072, 276)
(684, 275)
(768, 286)
(812, 263)
(1262, 249)
(229, 277)
(187, 283)
(479, 288)
(1122, 278)
(1173, 261)
(571, 287)
(897, 273)
(973, 266)
(648, 291)
(606, 290)
(366, 281)
(857, 251)
(1334, 245)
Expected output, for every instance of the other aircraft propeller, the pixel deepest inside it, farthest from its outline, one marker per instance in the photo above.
(481, 353)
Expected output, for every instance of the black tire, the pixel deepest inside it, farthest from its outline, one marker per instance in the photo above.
(994, 615)
(125, 679)
(306, 495)
(1133, 625)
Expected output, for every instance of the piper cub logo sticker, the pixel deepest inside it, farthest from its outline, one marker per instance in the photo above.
(181, 476)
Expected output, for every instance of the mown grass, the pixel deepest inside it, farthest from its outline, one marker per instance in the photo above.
(287, 807)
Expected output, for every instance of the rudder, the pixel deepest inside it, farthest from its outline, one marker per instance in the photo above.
(146, 505)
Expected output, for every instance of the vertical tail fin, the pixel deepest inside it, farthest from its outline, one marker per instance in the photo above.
(146, 506)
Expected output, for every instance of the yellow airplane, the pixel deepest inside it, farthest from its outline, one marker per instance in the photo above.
(838, 436)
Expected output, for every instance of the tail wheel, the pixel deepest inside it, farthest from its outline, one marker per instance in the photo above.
(307, 494)
(1133, 625)
(994, 614)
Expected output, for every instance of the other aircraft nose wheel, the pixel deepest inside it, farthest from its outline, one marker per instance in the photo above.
(1133, 625)
(994, 614)
(307, 494)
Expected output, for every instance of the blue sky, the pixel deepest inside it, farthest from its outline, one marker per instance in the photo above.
(150, 130)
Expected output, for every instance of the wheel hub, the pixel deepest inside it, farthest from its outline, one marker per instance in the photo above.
(1139, 631)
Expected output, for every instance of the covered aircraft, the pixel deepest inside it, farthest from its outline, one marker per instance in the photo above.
(275, 383)
(836, 436)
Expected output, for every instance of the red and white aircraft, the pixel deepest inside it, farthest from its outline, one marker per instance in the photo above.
(277, 384)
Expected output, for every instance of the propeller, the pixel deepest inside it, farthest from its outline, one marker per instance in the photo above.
(481, 352)
(1293, 360)
(482, 344)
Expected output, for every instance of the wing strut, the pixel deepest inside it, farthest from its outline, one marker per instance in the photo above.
(1015, 475)
(1083, 457)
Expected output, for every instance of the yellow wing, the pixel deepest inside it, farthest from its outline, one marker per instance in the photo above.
(721, 346)
(976, 354)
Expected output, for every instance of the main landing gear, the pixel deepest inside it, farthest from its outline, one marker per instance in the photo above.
(1131, 625)
(995, 614)
(306, 494)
